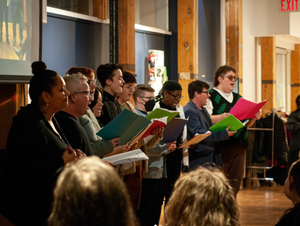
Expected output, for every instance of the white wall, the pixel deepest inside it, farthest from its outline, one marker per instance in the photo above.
(295, 24)
(267, 19)
(249, 72)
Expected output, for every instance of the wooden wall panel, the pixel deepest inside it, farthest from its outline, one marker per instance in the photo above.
(295, 76)
(268, 72)
(12, 96)
(187, 44)
(188, 37)
(234, 38)
(100, 9)
(184, 84)
(127, 34)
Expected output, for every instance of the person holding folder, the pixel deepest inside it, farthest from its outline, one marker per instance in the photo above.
(221, 100)
(199, 122)
(153, 186)
(171, 94)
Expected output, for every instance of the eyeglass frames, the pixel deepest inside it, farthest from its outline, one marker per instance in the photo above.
(175, 97)
(83, 92)
(231, 77)
(92, 81)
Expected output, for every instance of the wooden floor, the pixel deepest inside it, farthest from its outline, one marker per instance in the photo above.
(260, 207)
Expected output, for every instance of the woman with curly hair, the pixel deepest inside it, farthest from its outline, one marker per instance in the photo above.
(202, 197)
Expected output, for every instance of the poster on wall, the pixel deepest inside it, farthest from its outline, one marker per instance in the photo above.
(157, 70)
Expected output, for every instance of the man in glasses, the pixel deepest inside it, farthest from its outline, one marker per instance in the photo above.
(221, 100)
(199, 123)
(78, 106)
(89, 122)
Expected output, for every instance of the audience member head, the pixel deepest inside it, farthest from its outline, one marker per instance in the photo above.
(225, 78)
(202, 197)
(292, 183)
(128, 87)
(143, 97)
(91, 193)
(79, 94)
(96, 104)
(298, 101)
(110, 77)
(47, 88)
(171, 93)
(87, 72)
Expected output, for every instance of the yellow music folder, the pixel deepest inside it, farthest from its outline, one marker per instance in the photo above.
(195, 140)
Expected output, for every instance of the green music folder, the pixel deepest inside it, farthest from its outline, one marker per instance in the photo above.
(160, 113)
(231, 121)
(126, 125)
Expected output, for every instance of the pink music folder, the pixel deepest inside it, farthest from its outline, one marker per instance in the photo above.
(245, 109)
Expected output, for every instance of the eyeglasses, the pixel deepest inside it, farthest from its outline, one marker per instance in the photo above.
(131, 88)
(231, 77)
(92, 81)
(205, 92)
(83, 92)
(175, 97)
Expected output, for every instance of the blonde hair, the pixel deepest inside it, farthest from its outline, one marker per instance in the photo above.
(202, 197)
(90, 193)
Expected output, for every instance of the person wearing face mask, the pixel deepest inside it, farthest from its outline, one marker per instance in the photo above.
(134, 172)
(221, 100)
(153, 181)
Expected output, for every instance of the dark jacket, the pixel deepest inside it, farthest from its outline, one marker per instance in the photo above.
(75, 133)
(292, 218)
(293, 125)
(281, 148)
(111, 109)
(33, 157)
(197, 123)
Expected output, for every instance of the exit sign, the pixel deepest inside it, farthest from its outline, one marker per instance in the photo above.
(289, 5)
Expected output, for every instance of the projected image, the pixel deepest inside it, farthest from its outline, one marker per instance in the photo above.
(15, 29)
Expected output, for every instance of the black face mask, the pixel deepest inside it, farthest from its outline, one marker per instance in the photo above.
(149, 105)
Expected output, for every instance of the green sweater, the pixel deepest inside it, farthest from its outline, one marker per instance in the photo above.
(221, 105)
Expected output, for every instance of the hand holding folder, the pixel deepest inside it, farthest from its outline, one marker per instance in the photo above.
(245, 109)
(195, 140)
(231, 121)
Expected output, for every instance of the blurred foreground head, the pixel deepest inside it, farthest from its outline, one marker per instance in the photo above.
(202, 197)
(90, 193)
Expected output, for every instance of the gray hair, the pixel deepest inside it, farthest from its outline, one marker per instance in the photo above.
(73, 81)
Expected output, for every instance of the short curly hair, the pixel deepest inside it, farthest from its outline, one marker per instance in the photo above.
(202, 197)
(221, 71)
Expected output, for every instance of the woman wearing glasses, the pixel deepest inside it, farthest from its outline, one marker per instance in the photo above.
(222, 99)
(36, 150)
